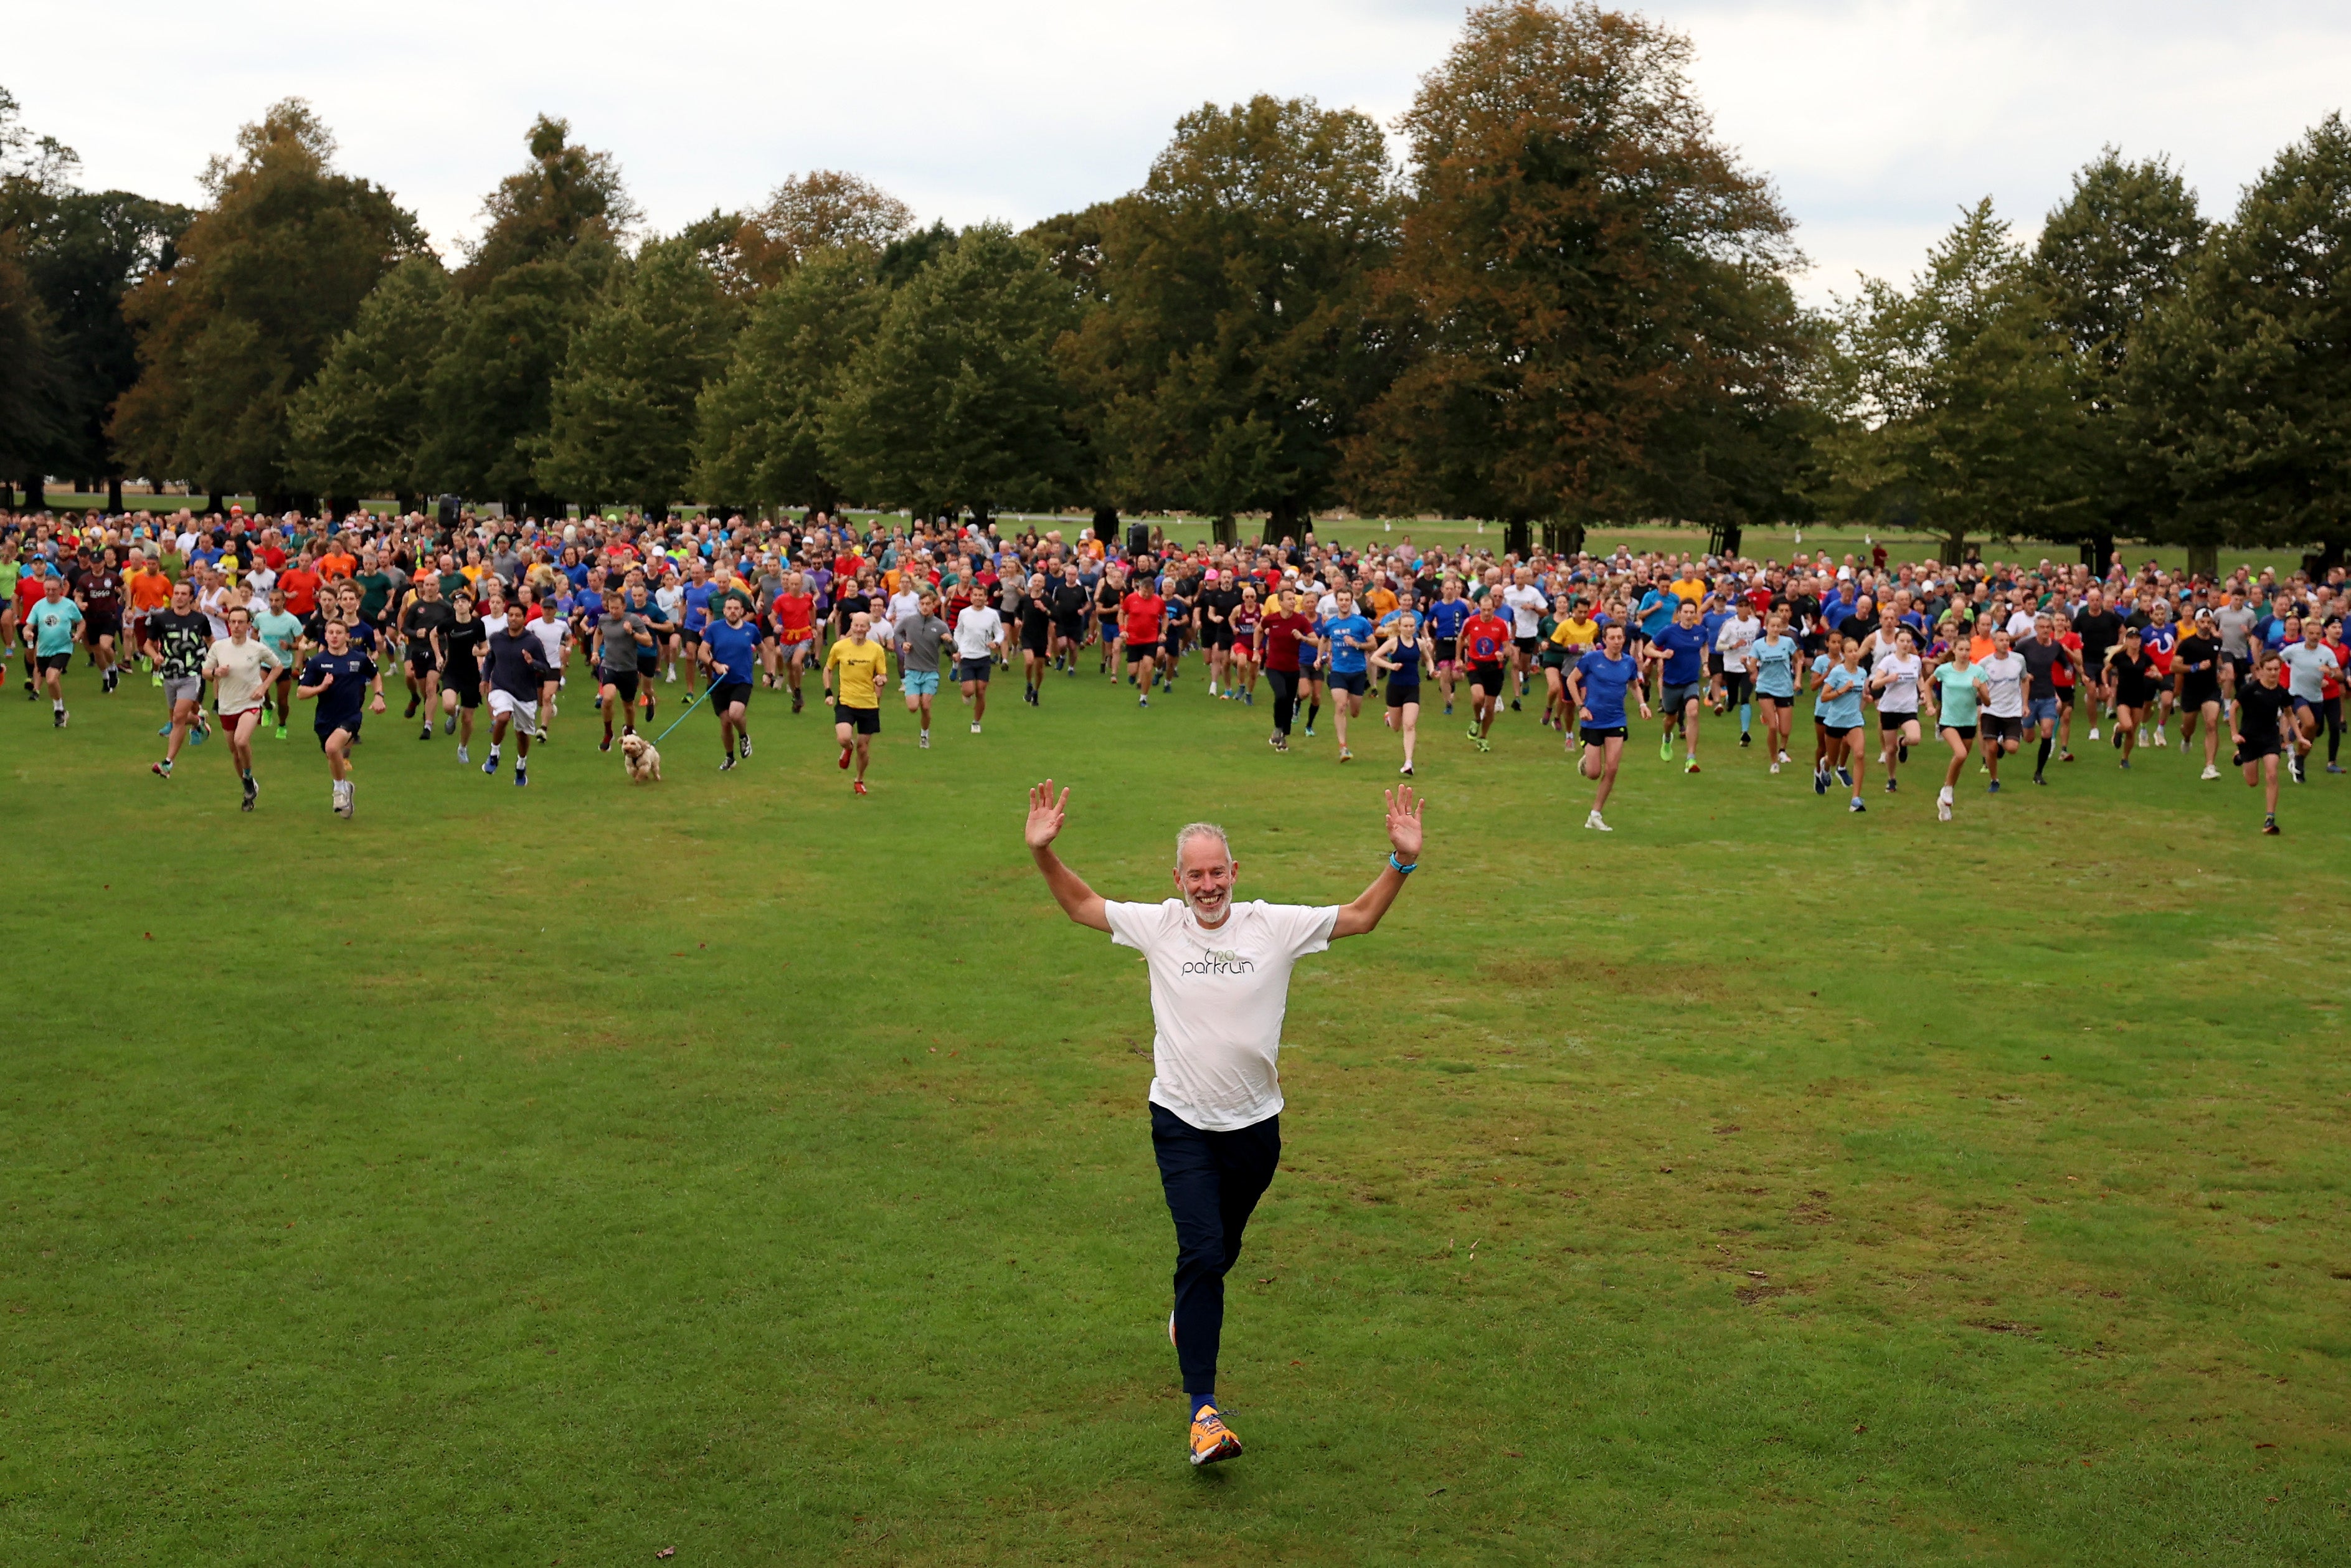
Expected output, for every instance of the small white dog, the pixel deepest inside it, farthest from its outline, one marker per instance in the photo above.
(640, 758)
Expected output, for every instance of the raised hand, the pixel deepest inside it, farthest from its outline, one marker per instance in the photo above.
(1047, 812)
(1403, 824)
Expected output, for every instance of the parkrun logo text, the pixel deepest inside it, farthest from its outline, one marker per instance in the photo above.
(1220, 964)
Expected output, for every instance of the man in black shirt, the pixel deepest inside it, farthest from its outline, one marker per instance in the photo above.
(99, 594)
(2043, 654)
(1070, 601)
(179, 637)
(518, 672)
(2263, 709)
(425, 625)
(2099, 629)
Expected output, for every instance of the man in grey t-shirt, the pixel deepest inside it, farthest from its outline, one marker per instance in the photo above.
(917, 638)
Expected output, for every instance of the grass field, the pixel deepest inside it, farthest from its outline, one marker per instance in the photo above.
(553, 1177)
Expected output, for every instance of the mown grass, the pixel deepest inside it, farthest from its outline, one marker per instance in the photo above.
(514, 1177)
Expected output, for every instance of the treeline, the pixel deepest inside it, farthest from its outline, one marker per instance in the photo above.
(1570, 304)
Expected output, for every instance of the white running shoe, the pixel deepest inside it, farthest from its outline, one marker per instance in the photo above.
(1942, 810)
(1594, 822)
(2211, 772)
(975, 726)
(1775, 768)
(2094, 732)
(1783, 756)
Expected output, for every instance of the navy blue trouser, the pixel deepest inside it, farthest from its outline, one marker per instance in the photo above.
(1213, 1181)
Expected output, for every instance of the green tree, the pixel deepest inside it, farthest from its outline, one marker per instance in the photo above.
(623, 415)
(2248, 380)
(1234, 348)
(2119, 246)
(566, 198)
(1589, 272)
(265, 278)
(359, 426)
(955, 400)
(1954, 398)
(760, 437)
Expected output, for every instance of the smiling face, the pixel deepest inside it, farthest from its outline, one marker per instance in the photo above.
(1204, 871)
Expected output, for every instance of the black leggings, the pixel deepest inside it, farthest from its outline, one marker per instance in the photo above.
(2331, 711)
(1285, 697)
(1213, 1181)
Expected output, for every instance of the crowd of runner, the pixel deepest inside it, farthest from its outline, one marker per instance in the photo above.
(2001, 664)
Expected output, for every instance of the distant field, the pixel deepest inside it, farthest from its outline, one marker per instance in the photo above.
(514, 1177)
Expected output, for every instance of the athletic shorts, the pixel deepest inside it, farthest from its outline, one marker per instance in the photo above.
(1895, 720)
(98, 625)
(1675, 695)
(1837, 731)
(326, 732)
(2064, 696)
(1448, 651)
(2042, 710)
(2306, 704)
(48, 661)
(1788, 700)
(1964, 731)
(1600, 734)
(1355, 684)
(623, 681)
(1487, 678)
(1142, 650)
(728, 695)
(1036, 641)
(649, 664)
(1218, 637)
(230, 719)
(797, 645)
(1401, 693)
(977, 670)
(1995, 727)
(863, 720)
(1070, 630)
(177, 689)
(469, 693)
(505, 703)
(2199, 689)
(420, 661)
(919, 682)
(1523, 645)
(2256, 746)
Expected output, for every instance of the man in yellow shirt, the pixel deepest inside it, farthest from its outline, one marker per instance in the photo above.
(862, 665)
(1690, 587)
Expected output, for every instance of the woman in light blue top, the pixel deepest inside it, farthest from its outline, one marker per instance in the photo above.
(1837, 710)
(1772, 657)
(1959, 689)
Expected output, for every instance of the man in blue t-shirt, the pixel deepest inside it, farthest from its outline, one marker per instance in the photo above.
(51, 626)
(1346, 638)
(339, 678)
(1445, 619)
(1680, 649)
(731, 649)
(1598, 684)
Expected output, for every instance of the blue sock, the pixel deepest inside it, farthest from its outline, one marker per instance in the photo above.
(1199, 1401)
(1743, 709)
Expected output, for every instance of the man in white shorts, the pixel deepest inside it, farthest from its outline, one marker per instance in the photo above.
(1219, 987)
(979, 647)
(518, 671)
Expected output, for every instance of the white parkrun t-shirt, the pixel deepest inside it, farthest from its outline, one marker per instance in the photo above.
(1218, 999)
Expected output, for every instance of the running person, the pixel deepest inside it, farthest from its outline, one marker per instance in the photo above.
(1036, 616)
(1403, 652)
(2196, 662)
(2262, 716)
(241, 668)
(1597, 685)
(1678, 649)
(2309, 664)
(1895, 682)
(1774, 657)
(862, 665)
(795, 613)
(518, 672)
(1445, 619)
(338, 677)
(1960, 691)
(1219, 987)
(2000, 720)
(1484, 646)
(2045, 659)
(730, 650)
(181, 635)
(462, 641)
(51, 628)
(917, 639)
(1145, 616)
(2134, 678)
(1347, 638)
(622, 638)
(979, 647)
(281, 630)
(1837, 709)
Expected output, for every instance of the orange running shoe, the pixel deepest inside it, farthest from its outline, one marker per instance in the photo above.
(859, 786)
(1212, 1441)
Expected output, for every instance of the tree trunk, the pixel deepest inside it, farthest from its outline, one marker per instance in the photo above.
(37, 493)
(114, 493)
(1722, 541)
(2324, 559)
(1517, 538)
(213, 507)
(2097, 552)
(1225, 530)
(1953, 550)
(1106, 524)
(2204, 561)
(1562, 538)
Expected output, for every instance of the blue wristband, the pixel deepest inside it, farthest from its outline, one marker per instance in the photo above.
(1402, 869)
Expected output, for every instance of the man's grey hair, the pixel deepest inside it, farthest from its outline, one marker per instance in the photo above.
(1190, 830)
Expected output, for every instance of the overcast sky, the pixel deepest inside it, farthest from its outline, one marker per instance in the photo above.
(1876, 119)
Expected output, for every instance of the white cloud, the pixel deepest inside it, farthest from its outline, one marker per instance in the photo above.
(1877, 119)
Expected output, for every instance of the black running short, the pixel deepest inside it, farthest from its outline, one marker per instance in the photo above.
(624, 681)
(1600, 734)
(863, 720)
(731, 693)
(1487, 678)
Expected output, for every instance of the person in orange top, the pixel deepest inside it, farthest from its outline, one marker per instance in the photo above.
(149, 591)
(301, 585)
(1144, 614)
(338, 563)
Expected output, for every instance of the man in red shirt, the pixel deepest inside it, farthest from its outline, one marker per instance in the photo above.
(795, 613)
(1277, 631)
(1142, 613)
(1485, 646)
(301, 586)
